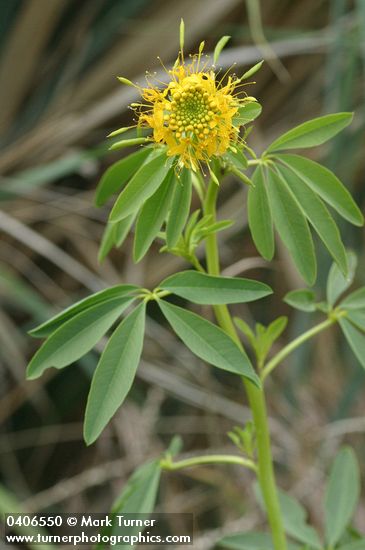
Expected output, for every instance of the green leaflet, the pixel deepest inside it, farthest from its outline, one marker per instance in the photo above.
(208, 289)
(180, 208)
(295, 522)
(175, 446)
(342, 494)
(140, 492)
(115, 234)
(251, 541)
(263, 338)
(303, 299)
(115, 373)
(356, 545)
(355, 300)
(152, 216)
(337, 283)
(138, 496)
(246, 330)
(143, 184)
(317, 214)
(108, 239)
(324, 182)
(357, 318)
(247, 113)
(313, 132)
(118, 174)
(292, 227)
(117, 291)
(260, 216)
(208, 341)
(275, 329)
(355, 339)
(246, 541)
(10, 504)
(236, 158)
(77, 336)
(294, 519)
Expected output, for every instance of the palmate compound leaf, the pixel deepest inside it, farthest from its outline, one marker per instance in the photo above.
(152, 215)
(118, 174)
(342, 494)
(208, 341)
(313, 132)
(325, 184)
(292, 226)
(143, 185)
(317, 214)
(117, 291)
(77, 336)
(180, 208)
(201, 288)
(115, 373)
(260, 216)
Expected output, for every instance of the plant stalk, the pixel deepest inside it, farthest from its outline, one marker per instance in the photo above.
(255, 395)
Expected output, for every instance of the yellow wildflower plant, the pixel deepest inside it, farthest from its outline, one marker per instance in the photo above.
(191, 121)
(195, 115)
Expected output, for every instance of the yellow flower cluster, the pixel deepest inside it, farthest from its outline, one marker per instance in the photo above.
(193, 115)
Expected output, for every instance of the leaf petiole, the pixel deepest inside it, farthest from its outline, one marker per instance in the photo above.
(279, 357)
(167, 464)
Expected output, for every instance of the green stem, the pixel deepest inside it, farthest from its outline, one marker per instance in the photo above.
(255, 395)
(167, 464)
(279, 357)
(195, 262)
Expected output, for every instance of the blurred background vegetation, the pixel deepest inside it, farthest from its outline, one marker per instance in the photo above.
(59, 99)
